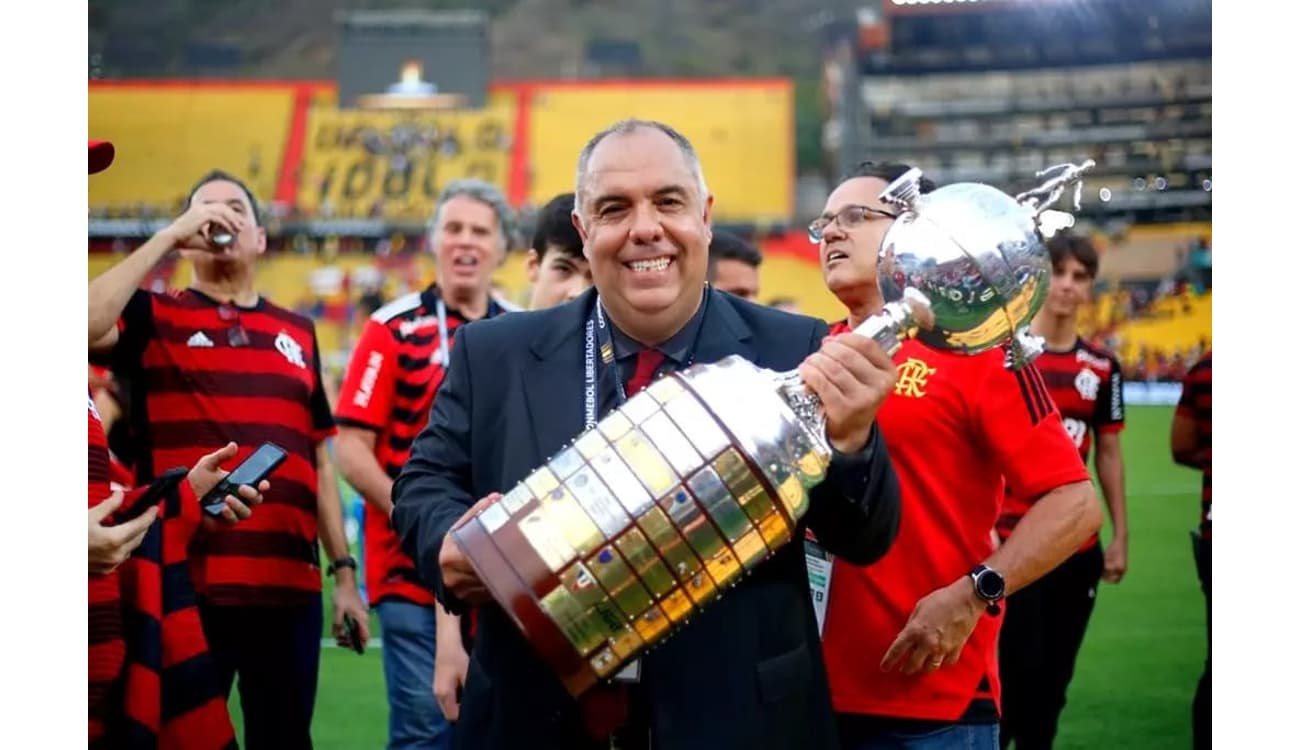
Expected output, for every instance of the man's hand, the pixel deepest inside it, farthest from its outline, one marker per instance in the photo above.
(193, 229)
(457, 573)
(939, 627)
(852, 375)
(1116, 560)
(110, 546)
(347, 601)
(450, 664)
(208, 472)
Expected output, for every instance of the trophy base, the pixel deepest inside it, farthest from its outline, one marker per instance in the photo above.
(505, 585)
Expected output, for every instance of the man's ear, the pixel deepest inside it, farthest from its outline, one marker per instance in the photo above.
(582, 232)
(532, 265)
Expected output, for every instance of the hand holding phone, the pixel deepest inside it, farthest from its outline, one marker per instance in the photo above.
(251, 471)
(354, 634)
(153, 494)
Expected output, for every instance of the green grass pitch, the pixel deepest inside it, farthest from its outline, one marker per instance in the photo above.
(1135, 676)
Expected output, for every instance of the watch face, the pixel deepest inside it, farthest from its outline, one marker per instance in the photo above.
(990, 584)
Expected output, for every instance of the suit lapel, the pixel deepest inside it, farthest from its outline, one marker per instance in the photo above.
(553, 381)
(722, 332)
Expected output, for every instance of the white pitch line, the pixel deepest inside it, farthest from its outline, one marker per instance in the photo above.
(376, 643)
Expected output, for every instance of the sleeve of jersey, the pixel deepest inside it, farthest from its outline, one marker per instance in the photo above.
(1109, 416)
(322, 419)
(366, 397)
(1186, 401)
(1023, 430)
(134, 328)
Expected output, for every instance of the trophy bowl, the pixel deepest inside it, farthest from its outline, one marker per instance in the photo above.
(978, 256)
(673, 497)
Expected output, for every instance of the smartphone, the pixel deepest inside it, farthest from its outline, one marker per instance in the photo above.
(258, 466)
(354, 634)
(154, 494)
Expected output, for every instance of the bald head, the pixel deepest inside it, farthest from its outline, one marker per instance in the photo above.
(630, 127)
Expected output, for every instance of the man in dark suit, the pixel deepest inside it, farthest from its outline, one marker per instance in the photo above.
(746, 672)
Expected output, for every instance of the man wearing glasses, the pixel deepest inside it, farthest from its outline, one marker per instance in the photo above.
(215, 363)
(910, 641)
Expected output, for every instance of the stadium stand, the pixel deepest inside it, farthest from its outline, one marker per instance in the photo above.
(177, 131)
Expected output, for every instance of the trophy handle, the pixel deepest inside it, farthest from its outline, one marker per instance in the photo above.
(1059, 177)
(1023, 348)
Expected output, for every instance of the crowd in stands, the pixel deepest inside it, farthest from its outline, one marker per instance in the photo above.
(1184, 294)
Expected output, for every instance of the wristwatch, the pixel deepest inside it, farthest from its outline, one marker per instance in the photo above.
(989, 586)
(342, 562)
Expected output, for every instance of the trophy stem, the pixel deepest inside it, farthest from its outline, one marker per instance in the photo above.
(898, 321)
(894, 324)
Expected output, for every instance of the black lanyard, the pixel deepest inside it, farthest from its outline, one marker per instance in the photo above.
(598, 355)
(443, 355)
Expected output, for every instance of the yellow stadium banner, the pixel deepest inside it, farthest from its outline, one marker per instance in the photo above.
(743, 130)
(393, 164)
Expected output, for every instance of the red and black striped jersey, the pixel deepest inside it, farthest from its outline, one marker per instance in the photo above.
(145, 639)
(1087, 386)
(389, 386)
(956, 427)
(202, 374)
(107, 648)
(1194, 404)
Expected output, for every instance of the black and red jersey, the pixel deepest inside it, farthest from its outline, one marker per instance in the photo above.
(1194, 404)
(145, 638)
(1087, 386)
(107, 648)
(204, 373)
(389, 386)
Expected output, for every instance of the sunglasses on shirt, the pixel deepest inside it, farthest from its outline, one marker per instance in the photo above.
(235, 334)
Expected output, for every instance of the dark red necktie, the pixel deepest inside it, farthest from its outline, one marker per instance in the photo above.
(604, 707)
(647, 361)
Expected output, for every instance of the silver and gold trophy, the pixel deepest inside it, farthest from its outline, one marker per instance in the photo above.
(672, 498)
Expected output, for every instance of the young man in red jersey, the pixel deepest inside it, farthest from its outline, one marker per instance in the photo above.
(217, 362)
(911, 640)
(556, 267)
(1190, 438)
(384, 402)
(1046, 621)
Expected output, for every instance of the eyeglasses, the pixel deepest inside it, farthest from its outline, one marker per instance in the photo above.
(849, 217)
(235, 334)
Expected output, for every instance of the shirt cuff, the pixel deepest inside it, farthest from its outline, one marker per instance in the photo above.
(850, 473)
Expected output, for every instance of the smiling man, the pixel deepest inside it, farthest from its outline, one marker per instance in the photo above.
(746, 672)
(390, 383)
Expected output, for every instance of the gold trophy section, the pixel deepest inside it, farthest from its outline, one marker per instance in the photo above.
(621, 536)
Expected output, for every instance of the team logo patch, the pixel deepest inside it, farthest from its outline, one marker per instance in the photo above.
(291, 349)
(1087, 382)
(912, 377)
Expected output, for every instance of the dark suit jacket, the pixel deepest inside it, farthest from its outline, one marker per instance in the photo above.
(747, 671)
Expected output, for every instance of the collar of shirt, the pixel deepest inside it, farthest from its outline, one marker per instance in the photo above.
(677, 349)
(432, 294)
